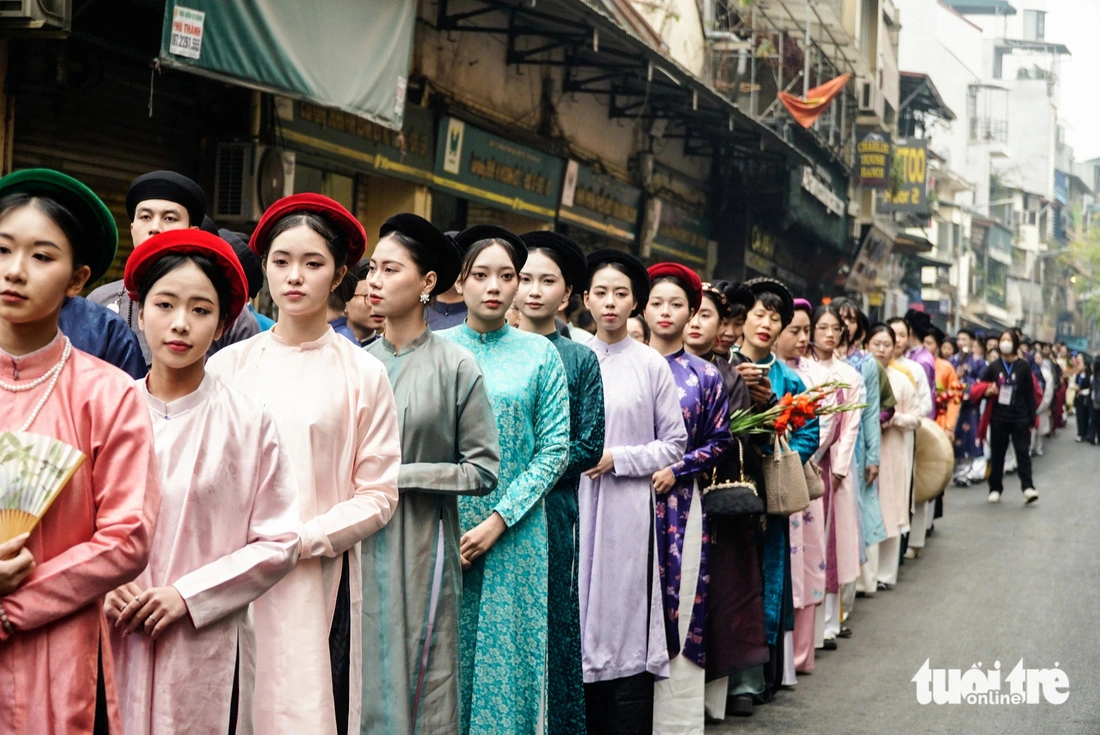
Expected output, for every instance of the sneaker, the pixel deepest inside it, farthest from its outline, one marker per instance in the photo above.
(1030, 496)
(994, 496)
(912, 553)
(1078, 440)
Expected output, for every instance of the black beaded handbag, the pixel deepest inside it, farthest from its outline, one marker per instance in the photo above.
(729, 493)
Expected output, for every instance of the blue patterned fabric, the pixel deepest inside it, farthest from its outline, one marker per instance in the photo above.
(502, 619)
(868, 446)
(565, 683)
(776, 543)
(969, 368)
(705, 409)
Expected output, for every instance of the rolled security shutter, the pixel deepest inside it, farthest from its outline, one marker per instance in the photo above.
(102, 133)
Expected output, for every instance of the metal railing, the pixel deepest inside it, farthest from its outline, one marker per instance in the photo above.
(988, 130)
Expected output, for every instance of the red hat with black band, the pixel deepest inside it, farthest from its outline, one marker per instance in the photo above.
(686, 277)
(337, 215)
(185, 242)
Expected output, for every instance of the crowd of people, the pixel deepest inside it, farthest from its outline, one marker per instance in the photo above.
(419, 500)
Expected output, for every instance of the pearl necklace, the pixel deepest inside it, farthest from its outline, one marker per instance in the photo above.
(53, 375)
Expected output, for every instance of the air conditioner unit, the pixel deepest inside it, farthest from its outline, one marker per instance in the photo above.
(870, 99)
(36, 15)
(249, 178)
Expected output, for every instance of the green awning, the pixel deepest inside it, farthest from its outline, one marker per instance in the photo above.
(349, 55)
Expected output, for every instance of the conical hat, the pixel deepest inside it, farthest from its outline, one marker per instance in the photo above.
(934, 462)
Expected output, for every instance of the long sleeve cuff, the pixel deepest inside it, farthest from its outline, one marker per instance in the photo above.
(314, 541)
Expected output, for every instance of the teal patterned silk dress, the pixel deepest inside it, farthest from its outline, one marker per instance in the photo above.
(502, 618)
(412, 574)
(565, 683)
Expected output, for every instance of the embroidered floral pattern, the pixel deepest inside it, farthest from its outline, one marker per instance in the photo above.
(704, 406)
(503, 617)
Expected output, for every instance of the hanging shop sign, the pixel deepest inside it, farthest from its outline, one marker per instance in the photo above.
(868, 270)
(760, 254)
(475, 164)
(682, 235)
(599, 203)
(405, 154)
(908, 191)
(816, 203)
(291, 49)
(873, 160)
(822, 191)
(772, 256)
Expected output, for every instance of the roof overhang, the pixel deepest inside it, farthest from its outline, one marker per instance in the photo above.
(600, 55)
(919, 94)
(981, 7)
(1041, 47)
(907, 243)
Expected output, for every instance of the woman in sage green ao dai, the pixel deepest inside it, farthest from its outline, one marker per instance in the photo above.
(412, 579)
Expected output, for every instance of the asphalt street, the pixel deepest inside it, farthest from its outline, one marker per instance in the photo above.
(995, 583)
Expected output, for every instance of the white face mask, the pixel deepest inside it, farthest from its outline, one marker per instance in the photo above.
(1006, 347)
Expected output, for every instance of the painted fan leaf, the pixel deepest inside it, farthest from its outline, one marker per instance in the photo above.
(34, 469)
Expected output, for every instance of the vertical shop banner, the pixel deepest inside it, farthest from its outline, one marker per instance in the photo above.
(682, 235)
(478, 165)
(599, 203)
(346, 54)
(908, 190)
(873, 154)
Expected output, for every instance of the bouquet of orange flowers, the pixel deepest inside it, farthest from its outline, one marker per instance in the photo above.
(791, 412)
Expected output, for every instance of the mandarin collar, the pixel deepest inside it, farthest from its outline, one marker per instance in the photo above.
(33, 364)
(487, 337)
(600, 346)
(180, 406)
(410, 346)
(317, 344)
(444, 309)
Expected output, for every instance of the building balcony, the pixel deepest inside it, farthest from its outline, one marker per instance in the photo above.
(988, 130)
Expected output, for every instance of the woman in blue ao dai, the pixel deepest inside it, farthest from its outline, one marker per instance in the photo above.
(502, 618)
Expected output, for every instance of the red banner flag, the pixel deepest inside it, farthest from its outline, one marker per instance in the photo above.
(806, 111)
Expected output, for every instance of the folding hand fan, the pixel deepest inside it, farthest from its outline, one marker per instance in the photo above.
(34, 469)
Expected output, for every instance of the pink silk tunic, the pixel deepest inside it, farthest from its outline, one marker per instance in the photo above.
(842, 542)
(334, 409)
(226, 534)
(95, 537)
(807, 529)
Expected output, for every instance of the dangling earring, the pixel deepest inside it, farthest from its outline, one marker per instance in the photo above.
(425, 298)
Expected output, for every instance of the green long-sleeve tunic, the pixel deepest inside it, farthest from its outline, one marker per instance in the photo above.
(449, 448)
(565, 685)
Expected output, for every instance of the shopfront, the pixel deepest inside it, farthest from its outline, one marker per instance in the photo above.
(598, 211)
(683, 236)
(482, 178)
(371, 169)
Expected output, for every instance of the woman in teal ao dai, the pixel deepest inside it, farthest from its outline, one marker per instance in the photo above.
(502, 619)
(555, 270)
(412, 579)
